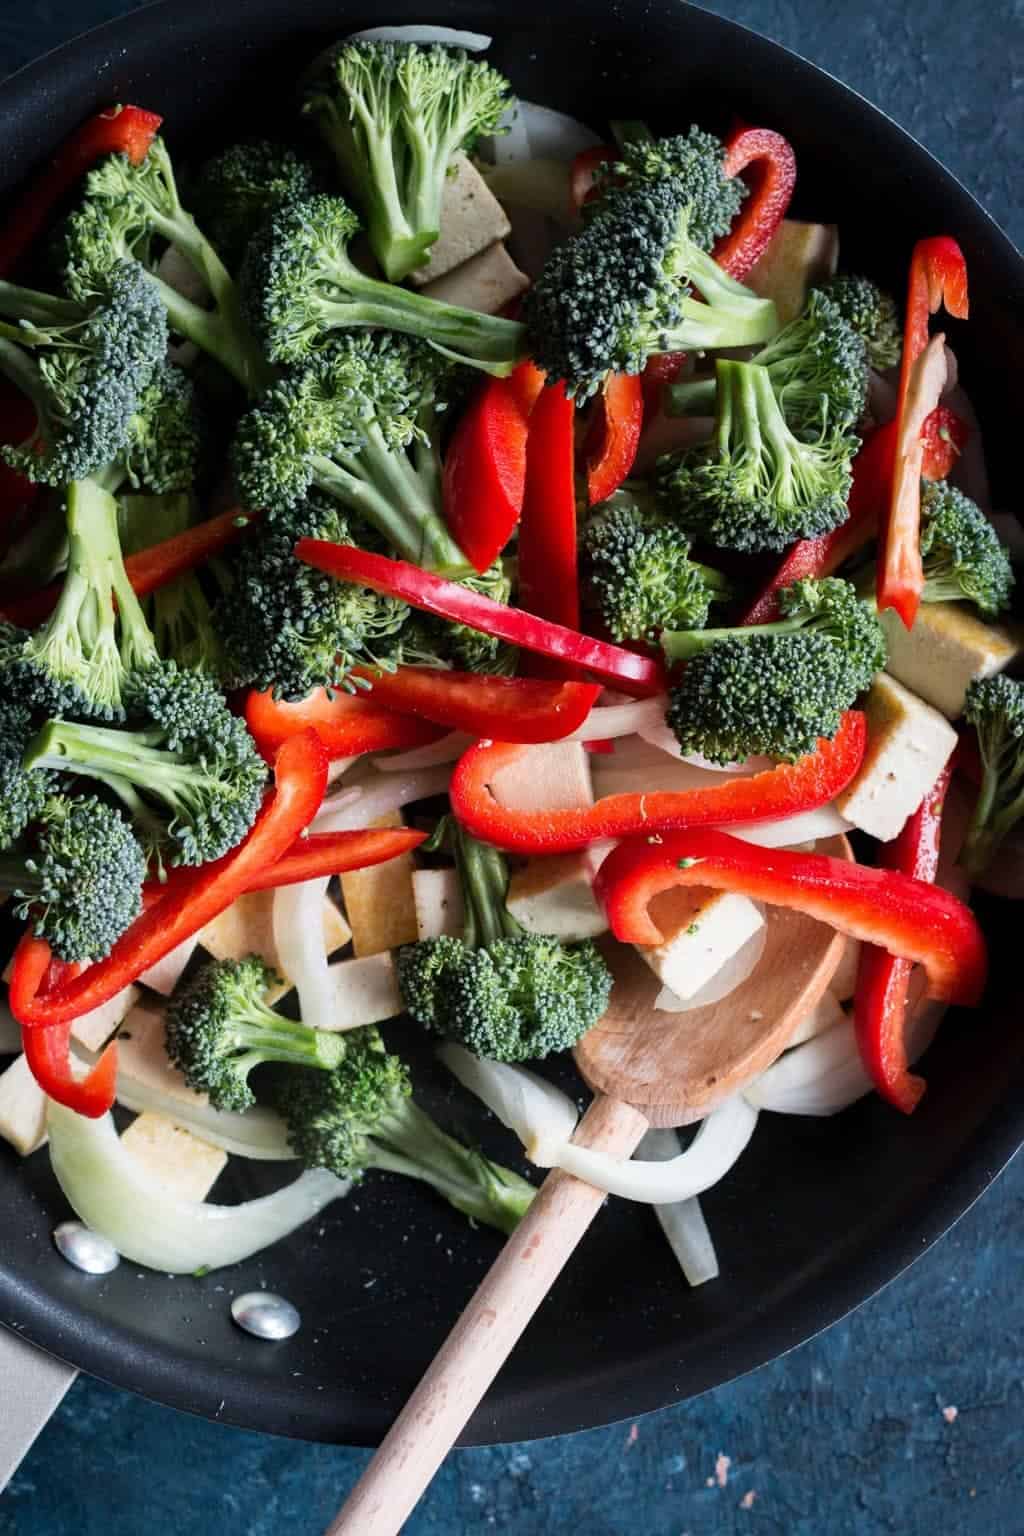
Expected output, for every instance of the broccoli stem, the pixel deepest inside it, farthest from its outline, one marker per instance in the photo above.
(489, 341)
(264, 1035)
(681, 644)
(119, 758)
(732, 315)
(693, 397)
(408, 1141)
(988, 829)
(483, 875)
(40, 308)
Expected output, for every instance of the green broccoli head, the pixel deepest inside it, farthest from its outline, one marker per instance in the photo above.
(289, 627)
(819, 369)
(79, 882)
(873, 315)
(830, 606)
(394, 115)
(697, 160)
(995, 707)
(426, 641)
(235, 190)
(85, 373)
(757, 485)
(639, 574)
(421, 968)
(620, 292)
(23, 795)
(165, 447)
(179, 613)
(963, 558)
(220, 1027)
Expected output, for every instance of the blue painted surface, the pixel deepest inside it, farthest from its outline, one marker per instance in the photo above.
(907, 1417)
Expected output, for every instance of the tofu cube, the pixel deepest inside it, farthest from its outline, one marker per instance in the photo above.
(379, 902)
(165, 975)
(366, 990)
(437, 896)
(551, 777)
(555, 895)
(798, 256)
(22, 1108)
(247, 928)
(471, 220)
(188, 1166)
(486, 282)
(908, 745)
(947, 648)
(702, 930)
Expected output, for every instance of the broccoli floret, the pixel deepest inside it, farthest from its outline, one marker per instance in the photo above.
(220, 1027)
(301, 287)
(361, 423)
(393, 116)
(186, 768)
(504, 993)
(23, 795)
(426, 641)
(165, 446)
(125, 208)
(639, 574)
(78, 878)
(286, 626)
(620, 292)
(696, 159)
(362, 1116)
(774, 689)
(80, 660)
(873, 315)
(757, 485)
(995, 707)
(178, 613)
(84, 366)
(963, 558)
(235, 190)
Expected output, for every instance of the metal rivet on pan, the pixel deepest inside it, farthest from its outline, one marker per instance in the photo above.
(85, 1249)
(265, 1315)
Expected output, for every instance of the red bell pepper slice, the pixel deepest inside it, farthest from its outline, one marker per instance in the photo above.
(772, 162)
(778, 792)
(119, 130)
(630, 672)
(880, 1000)
(485, 466)
(909, 918)
(320, 854)
(548, 564)
(583, 174)
(348, 725)
(500, 708)
(150, 568)
(944, 438)
(938, 276)
(190, 901)
(661, 369)
(48, 1048)
(614, 434)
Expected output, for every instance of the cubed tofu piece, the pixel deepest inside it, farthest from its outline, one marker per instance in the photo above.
(826, 1012)
(22, 1108)
(551, 777)
(703, 929)
(947, 648)
(366, 990)
(379, 902)
(247, 928)
(485, 283)
(908, 745)
(187, 1166)
(142, 1058)
(798, 256)
(471, 220)
(437, 896)
(555, 895)
(165, 975)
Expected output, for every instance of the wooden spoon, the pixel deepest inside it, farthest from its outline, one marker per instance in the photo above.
(649, 1068)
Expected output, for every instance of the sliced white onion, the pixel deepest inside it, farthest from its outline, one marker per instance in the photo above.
(542, 1116)
(638, 768)
(726, 979)
(683, 1223)
(299, 941)
(554, 135)
(117, 1196)
(259, 1133)
(662, 736)
(807, 827)
(378, 797)
(452, 37)
(447, 750)
(716, 1146)
(609, 722)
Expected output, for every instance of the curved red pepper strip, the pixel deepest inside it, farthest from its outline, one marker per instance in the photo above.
(614, 434)
(661, 369)
(191, 899)
(910, 918)
(938, 276)
(48, 1049)
(336, 853)
(547, 559)
(880, 1000)
(632, 673)
(773, 164)
(583, 174)
(778, 792)
(484, 473)
(118, 130)
(944, 437)
(348, 725)
(150, 568)
(500, 708)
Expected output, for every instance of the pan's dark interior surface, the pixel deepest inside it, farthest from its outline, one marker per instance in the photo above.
(818, 1214)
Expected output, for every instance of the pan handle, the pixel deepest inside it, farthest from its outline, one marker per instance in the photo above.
(32, 1385)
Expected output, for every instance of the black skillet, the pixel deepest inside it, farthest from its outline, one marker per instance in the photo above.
(819, 1214)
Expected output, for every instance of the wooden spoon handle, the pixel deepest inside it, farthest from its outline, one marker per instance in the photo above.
(485, 1334)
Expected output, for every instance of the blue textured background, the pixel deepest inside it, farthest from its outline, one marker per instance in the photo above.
(907, 1418)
